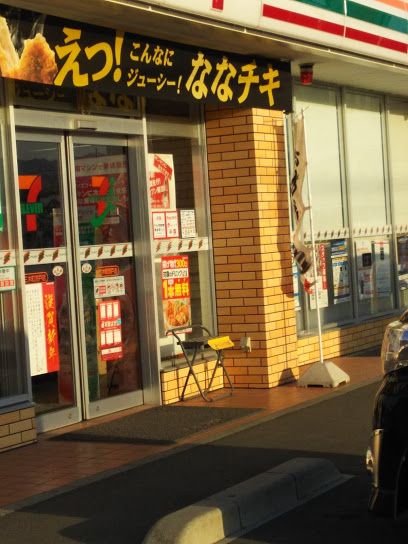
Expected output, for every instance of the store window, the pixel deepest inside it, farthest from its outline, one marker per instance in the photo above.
(348, 177)
(367, 179)
(325, 180)
(179, 209)
(319, 106)
(364, 142)
(398, 137)
(13, 375)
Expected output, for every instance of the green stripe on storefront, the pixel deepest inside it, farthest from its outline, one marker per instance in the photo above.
(330, 5)
(376, 17)
(363, 13)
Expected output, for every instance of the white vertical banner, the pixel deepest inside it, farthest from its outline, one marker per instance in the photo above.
(36, 328)
(301, 253)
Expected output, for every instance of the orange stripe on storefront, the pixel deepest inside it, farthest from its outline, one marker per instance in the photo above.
(399, 4)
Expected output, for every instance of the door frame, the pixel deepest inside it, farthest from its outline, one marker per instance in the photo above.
(71, 414)
(46, 123)
(91, 409)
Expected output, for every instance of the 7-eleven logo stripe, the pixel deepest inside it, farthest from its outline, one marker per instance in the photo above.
(31, 207)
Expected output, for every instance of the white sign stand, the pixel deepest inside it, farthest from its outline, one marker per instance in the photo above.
(323, 373)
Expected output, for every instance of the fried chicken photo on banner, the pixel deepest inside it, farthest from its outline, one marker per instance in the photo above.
(37, 61)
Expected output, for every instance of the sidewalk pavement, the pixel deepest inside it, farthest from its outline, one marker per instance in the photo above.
(50, 467)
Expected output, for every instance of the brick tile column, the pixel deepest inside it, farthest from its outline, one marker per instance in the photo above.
(251, 237)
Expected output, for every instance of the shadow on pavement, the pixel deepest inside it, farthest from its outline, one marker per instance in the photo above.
(123, 507)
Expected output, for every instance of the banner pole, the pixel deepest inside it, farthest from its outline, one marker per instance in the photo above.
(321, 373)
(316, 284)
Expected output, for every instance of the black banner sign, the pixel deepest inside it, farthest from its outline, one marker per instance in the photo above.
(45, 49)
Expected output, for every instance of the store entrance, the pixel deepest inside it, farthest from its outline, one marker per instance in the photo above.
(80, 292)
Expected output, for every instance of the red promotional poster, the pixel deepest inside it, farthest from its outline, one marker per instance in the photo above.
(51, 327)
(110, 330)
(176, 291)
(161, 179)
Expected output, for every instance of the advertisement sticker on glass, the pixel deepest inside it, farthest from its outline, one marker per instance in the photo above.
(296, 296)
(112, 286)
(340, 271)
(321, 283)
(365, 271)
(382, 268)
(172, 226)
(110, 330)
(175, 275)
(188, 224)
(42, 328)
(7, 278)
(165, 225)
(161, 182)
(101, 187)
(159, 225)
(402, 258)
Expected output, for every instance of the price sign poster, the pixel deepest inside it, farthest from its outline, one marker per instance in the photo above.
(175, 275)
(110, 330)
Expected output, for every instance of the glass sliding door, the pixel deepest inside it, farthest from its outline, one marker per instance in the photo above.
(80, 281)
(109, 305)
(48, 276)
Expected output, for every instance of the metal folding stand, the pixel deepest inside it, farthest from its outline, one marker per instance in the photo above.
(195, 344)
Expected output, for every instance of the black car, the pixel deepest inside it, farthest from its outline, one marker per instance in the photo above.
(387, 455)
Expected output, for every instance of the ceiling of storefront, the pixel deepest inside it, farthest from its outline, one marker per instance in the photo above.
(329, 66)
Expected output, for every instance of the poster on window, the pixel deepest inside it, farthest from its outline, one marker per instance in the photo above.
(188, 224)
(7, 278)
(321, 282)
(109, 286)
(382, 268)
(161, 181)
(340, 271)
(175, 275)
(42, 328)
(402, 259)
(110, 330)
(102, 189)
(365, 272)
(296, 295)
(165, 225)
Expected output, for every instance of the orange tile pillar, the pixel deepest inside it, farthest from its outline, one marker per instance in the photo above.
(251, 240)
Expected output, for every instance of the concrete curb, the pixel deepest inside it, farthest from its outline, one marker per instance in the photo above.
(248, 504)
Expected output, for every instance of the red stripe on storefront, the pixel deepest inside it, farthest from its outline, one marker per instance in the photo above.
(373, 39)
(302, 20)
(332, 28)
(218, 4)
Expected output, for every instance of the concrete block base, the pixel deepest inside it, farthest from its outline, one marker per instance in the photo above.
(250, 503)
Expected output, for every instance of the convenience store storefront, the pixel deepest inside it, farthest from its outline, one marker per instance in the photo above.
(176, 176)
(104, 196)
